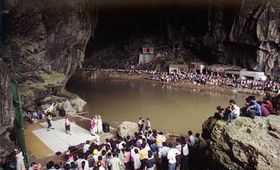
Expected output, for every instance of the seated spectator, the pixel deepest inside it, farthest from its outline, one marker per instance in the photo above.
(254, 108)
(264, 110)
(234, 111)
(220, 113)
(28, 117)
(267, 104)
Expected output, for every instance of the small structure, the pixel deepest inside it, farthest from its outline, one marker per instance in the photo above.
(147, 55)
(178, 68)
(148, 50)
(224, 70)
(252, 75)
(198, 67)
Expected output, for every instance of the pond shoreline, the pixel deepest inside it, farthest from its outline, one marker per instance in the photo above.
(95, 75)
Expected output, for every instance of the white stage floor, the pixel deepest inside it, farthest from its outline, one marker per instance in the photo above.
(57, 139)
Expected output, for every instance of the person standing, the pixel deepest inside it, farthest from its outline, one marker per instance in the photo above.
(184, 156)
(171, 156)
(49, 119)
(115, 162)
(19, 158)
(162, 154)
(140, 123)
(92, 126)
(148, 124)
(191, 139)
(143, 155)
(86, 146)
(150, 163)
(67, 126)
(99, 124)
(136, 158)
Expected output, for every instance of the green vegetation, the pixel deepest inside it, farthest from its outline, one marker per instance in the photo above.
(48, 79)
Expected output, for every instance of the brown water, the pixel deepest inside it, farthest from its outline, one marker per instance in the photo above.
(169, 109)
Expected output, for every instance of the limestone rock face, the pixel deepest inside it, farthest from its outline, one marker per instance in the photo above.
(245, 143)
(44, 44)
(247, 33)
(6, 111)
(127, 128)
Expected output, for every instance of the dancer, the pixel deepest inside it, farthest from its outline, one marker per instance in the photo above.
(49, 119)
(67, 125)
(99, 124)
(92, 126)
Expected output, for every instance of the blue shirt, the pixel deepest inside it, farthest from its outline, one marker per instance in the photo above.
(257, 107)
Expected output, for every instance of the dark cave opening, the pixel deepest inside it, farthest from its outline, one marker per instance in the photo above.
(121, 33)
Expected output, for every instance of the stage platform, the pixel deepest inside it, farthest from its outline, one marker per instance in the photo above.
(57, 140)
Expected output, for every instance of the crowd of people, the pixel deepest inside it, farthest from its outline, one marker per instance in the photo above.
(206, 79)
(147, 150)
(33, 116)
(252, 108)
(218, 80)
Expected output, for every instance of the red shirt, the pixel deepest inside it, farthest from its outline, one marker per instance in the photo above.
(269, 106)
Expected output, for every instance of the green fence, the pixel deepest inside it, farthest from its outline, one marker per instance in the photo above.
(19, 124)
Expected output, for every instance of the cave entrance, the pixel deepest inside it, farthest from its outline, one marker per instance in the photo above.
(122, 32)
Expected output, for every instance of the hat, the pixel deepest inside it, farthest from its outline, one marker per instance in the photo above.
(95, 152)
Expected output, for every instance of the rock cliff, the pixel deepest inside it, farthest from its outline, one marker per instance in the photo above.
(247, 34)
(245, 143)
(44, 43)
(6, 111)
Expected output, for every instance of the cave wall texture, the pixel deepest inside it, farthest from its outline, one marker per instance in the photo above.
(249, 35)
(6, 111)
(42, 43)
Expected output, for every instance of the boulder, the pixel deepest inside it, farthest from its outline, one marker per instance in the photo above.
(68, 107)
(127, 128)
(78, 104)
(245, 143)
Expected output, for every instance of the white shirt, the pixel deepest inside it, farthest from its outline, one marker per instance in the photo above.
(85, 148)
(236, 110)
(163, 151)
(171, 156)
(132, 153)
(136, 161)
(191, 140)
(115, 163)
(186, 150)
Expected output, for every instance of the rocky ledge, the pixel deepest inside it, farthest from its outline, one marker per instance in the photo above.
(245, 143)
